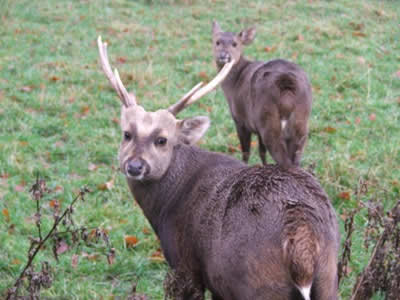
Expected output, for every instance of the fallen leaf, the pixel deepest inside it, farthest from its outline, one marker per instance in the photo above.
(330, 129)
(54, 78)
(115, 120)
(23, 143)
(85, 110)
(6, 214)
(91, 257)
(62, 247)
(361, 60)
(398, 74)
(232, 149)
(16, 261)
(121, 60)
(27, 89)
(58, 189)
(204, 76)
(106, 186)
(157, 256)
(19, 188)
(344, 195)
(130, 240)
(372, 117)
(92, 167)
(54, 204)
(11, 229)
(146, 230)
(74, 260)
(359, 34)
(300, 37)
(357, 120)
(270, 49)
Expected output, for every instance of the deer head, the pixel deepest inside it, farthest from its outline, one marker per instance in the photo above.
(228, 46)
(149, 137)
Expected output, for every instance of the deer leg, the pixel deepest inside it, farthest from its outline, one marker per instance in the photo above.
(262, 150)
(275, 143)
(245, 139)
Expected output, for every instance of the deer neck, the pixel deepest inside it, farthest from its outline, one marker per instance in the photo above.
(157, 198)
(235, 73)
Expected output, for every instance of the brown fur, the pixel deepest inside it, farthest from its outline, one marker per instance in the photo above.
(270, 99)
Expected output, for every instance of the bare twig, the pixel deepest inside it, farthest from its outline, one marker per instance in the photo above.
(37, 190)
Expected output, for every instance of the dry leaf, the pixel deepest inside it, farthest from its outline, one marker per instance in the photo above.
(344, 195)
(74, 260)
(54, 204)
(358, 34)
(146, 230)
(54, 78)
(27, 89)
(62, 247)
(6, 214)
(85, 110)
(157, 256)
(130, 240)
(19, 188)
(121, 60)
(232, 149)
(204, 76)
(16, 261)
(270, 49)
(330, 129)
(372, 117)
(106, 186)
(92, 167)
(357, 120)
(300, 37)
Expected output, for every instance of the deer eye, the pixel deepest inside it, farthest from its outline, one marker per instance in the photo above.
(217, 43)
(234, 44)
(160, 141)
(127, 136)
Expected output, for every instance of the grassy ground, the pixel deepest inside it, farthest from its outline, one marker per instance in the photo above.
(58, 115)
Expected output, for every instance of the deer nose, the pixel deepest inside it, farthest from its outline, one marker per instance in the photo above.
(135, 167)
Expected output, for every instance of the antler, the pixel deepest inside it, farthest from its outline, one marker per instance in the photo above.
(127, 99)
(198, 91)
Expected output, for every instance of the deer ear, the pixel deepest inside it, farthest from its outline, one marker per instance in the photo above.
(247, 36)
(192, 129)
(216, 28)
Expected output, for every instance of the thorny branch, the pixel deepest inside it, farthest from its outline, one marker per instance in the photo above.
(38, 190)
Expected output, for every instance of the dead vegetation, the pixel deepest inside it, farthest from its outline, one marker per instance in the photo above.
(381, 237)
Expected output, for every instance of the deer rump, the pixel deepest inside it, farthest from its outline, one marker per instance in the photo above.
(279, 87)
(265, 233)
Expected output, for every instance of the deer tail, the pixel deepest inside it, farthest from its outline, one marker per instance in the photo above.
(301, 249)
(286, 82)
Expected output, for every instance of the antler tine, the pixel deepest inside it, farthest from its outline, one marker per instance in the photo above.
(197, 92)
(127, 99)
(178, 106)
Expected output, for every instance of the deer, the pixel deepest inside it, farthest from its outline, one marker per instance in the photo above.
(270, 99)
(242, 232)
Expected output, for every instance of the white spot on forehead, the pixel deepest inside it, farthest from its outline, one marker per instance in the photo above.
(147, 122)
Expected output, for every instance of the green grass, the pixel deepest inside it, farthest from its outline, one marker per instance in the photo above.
(57, 112)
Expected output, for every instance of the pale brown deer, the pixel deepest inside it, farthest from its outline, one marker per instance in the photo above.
(244, 233)
(270, 99)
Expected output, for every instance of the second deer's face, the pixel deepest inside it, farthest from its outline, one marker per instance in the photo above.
(228, 46)
(149, 138)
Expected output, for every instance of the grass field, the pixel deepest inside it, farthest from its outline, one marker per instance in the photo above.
(59, 117)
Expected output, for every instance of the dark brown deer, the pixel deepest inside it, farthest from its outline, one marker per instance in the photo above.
(271, 99)
(244, 233)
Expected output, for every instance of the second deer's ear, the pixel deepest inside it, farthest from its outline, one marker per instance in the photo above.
(247, 36)
(191, 130)
(216, 28)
